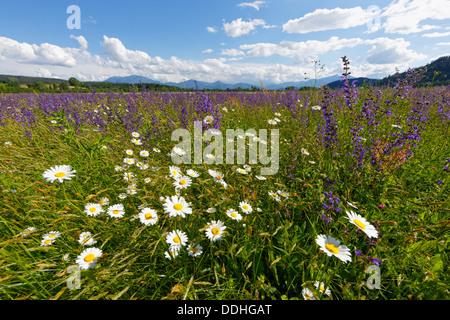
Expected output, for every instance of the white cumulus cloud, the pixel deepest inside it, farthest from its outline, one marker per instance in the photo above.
(329, 19)
(406, 16)
(240, 27)
(254, 4)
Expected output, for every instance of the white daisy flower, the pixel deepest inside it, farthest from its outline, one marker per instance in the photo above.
(174, 171)
(47, 242)
(177, 206)
(147, 180)
(131, 191)
(144, 153)
(52, 235)
(312, 162)
(260, 177)
(210, 156)
(179, 151)
(277, 114)
(242, 171)
(135, 135)
(195, 250)
(116, 210)
(128, 176)
(211, 210)
(103, 201)
(308, 294)
(137, 142)
(304, 151)
(259, 209)
(88, 258)
(316, 108)
(86, 239)
(129, 152)
(233, 214)
(331, 247)
(148, 216)
(172, 253)
(182, 182)
(60, 173)
(118, 168)
(93, 209)
(177, 238)
(216, 230)
(122, 196)
(283, 193)
(212, 173)
(274, 196)
(247, 168)
(27, 231)
(192, 173)
(208, 119)
(321, 287)
(245, 207)
(362, 224)
(129, 161)
(156, 150)
(272, 121)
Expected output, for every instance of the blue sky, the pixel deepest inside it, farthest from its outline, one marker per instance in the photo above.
(232, 41)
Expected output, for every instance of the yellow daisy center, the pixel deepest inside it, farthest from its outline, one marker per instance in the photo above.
(60, 174)
(176, 240)
(178, 206)
(194, 250)
(321, 288)
(215, 231)
(233, 214)
(148, 216)
(245, 207)
(332, 248)
(183, 182)
(307, 296)
(115, 211)
(359, 224)
(47, 241)
(102, 202)
(174, 172)
(92, 209)
(89, 258)
(219, 177)
(52, 236)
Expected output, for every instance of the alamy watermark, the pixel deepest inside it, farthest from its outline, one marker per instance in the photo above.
(74, 280)
(74, 20)
(213, 153)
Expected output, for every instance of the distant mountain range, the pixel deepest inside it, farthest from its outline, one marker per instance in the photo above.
(193, 84)
(437, 73)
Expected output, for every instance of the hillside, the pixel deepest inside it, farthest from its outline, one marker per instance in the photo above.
(437, 74)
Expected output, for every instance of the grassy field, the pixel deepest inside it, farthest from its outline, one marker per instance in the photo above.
(382, 154)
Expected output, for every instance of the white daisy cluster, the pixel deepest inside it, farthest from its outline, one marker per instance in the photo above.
(332, 247)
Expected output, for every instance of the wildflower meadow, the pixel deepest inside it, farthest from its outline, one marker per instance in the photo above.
(99, 201)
